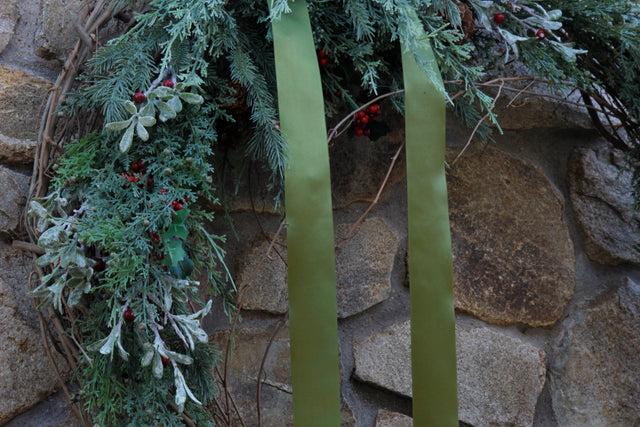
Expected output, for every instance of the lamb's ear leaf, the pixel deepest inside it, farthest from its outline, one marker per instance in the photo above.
(127, 138)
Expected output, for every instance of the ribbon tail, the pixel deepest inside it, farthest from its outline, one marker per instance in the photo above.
(433, 352)
(311, 264)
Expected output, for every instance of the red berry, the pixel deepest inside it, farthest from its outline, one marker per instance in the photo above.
(186, 199)
(365, 120)
(359, 131)
(165, 360)
(139, 97)
(128, 315)
(178, 207)
(99, 266)
(168, 83)
(498, 18)
(162, 191)
(149, 182)
(367, 132)
(541, 34)
(324, 61)
(322, 54)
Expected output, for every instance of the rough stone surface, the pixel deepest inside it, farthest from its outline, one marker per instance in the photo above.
(9, 15)
(595, 371)
(603, 203)
(513, 258)
(487, 364)
(15, 269)
(392, 419)
(17, 151)
(276, 403)
(262, 281)
(57, 34)
(14, 190)
(364, 264)
(50, 412)
(359, 164)
(540, 108)
(21, 99)
(25, 373)
(363, 270)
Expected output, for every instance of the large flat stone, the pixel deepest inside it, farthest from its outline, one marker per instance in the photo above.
(57, 34)
(9, 15)
(488, 362)
(392, 419)
(14, 188)
(26, 376)
(601, 195)
(363, 270)
(513, 259)
(21, 97)
(595, 370)
(275, 398)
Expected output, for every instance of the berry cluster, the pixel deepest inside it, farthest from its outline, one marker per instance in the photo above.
(323, 58)
(137, 174)
(499, 18)
(363, 118)
(140, 97)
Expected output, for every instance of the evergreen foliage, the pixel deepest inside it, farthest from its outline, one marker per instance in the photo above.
(130, 194)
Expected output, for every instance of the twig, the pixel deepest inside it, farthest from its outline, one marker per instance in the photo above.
(375, 200)
(26, 246)
(261, 371)
(475, 129)
(333, 133)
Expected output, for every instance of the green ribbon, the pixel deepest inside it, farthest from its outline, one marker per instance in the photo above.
(311, 266)
(433, 351)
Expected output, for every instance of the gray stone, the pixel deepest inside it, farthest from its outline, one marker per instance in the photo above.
(17, 151)
(487, 364)
(513, 259)
(363, 269)
(364, 264)
(275, 397)
(595, 370)
(392, 419)
(262, 281)
(21, 98)
(359, 164)
(26, 376)
(57, 34)
(602, 200)
(539, 107)
(14, 189)
(15, 269)
(50, 412)
(9, 15)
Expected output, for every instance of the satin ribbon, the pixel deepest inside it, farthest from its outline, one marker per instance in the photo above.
(311, 266)
(433, 351)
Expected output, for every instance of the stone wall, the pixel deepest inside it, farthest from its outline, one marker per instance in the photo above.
(547, 284)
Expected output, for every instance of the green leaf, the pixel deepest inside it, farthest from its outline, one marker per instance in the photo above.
(127, 138)
(166, 112)
(175, 251)
(147, 120)
(177, 230)
(116, 126)
(191, 98)
(148, 355)
(147, 111)
(130, 107)
(37, 209)
(142, 132)
(181, 216)
(175, 104)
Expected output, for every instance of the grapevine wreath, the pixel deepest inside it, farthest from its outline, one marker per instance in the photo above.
(124, 178)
